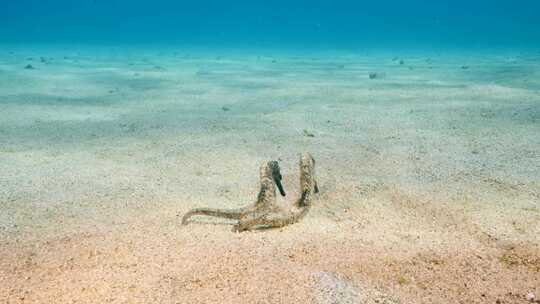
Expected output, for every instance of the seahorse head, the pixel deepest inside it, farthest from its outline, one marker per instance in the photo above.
(308, 179)
(275, 172)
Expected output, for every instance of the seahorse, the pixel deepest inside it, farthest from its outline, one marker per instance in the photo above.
(270, 178)
(282, 217)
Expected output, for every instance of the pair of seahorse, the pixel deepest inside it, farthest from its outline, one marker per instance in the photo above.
(265, 212)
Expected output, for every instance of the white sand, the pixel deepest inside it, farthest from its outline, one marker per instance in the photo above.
(429, 176)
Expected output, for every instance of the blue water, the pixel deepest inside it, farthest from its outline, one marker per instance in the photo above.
(278, 23)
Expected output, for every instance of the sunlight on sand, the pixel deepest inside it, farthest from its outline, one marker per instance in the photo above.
(429, 188)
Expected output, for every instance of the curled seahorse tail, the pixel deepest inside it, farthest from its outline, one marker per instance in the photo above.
(295, 218)
(232, 214)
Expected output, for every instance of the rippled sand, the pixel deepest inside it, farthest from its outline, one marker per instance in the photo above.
(429, 175)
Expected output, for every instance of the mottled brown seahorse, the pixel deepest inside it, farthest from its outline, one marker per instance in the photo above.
(270, 178)
(282, 217)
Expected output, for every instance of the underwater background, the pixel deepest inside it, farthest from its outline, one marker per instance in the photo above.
(119, 117)
(277, 24)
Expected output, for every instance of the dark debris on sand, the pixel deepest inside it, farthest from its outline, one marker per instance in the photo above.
(308, 133)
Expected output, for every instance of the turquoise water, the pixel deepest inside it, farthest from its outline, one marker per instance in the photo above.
(117, 117)
(277, 24)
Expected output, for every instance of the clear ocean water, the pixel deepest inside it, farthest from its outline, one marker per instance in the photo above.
(279, 24)
(118, 117)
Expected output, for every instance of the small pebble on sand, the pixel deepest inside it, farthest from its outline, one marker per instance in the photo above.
(377, 75)
(308, 134)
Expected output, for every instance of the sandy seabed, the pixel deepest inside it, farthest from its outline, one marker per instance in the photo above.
(429, 175)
